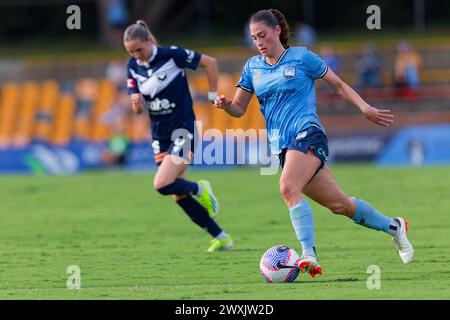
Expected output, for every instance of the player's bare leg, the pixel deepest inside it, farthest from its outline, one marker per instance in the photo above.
(171, 168)
(172, 175)
(324, 190)
(298, 170)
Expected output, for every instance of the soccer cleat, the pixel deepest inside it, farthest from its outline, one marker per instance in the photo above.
(220, 245)
(207, 198)
(401, 243)
(309, 264)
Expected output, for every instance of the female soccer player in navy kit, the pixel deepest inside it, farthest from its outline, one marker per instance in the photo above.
(282, 78)
(157, 81)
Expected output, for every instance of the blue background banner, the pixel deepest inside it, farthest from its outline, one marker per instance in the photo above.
(411, 146)
(418, 145)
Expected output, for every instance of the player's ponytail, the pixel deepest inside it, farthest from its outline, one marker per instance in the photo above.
(284, 35)
(140, 31)
(272, 18)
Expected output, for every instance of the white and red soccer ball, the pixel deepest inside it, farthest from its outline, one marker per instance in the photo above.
(279, 264)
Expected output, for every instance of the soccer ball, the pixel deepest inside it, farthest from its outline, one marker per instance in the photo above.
(279, 264)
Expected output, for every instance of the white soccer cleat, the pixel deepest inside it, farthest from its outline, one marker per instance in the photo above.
(309, 264)
(401, 243)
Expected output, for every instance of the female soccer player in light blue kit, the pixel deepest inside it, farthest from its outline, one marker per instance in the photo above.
(282, 77)
(157, 81)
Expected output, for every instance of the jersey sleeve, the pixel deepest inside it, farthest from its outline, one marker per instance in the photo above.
(131, 82)
(185, 58)
(245, 82)
(315, 66)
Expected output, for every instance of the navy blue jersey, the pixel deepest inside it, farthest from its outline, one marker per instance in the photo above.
(163, 84)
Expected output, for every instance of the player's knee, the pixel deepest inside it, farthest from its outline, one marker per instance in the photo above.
(288, 190)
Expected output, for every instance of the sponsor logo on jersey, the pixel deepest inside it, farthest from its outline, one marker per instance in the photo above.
(190, 55)
(301, 135)
(131, 83)
(157, 105)
(275, 94)
(289, 72)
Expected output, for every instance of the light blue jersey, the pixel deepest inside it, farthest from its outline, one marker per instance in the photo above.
(286, 92)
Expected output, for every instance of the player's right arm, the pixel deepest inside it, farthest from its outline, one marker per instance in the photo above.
(137, 101)
(236, 107)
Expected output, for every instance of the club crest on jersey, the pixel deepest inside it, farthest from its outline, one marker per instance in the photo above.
(289, 72)
(162, 76)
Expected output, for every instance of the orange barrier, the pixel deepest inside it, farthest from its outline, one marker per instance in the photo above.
(10, 96)
(63, 125)
(33, 110)
(49, 96)
(26, 114)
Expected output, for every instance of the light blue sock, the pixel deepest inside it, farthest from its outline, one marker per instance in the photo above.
(302, 220)
(367, 216)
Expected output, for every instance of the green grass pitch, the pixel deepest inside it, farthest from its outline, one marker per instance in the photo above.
(132, 243)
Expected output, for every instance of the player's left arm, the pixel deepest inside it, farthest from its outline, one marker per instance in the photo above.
(382, 117)
(212, 72)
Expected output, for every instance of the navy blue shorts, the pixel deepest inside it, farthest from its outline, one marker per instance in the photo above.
(182, 146)
(312, 138)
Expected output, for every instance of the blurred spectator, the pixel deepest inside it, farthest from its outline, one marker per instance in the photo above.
(328, 54)
(117, 18)
(368, 68)
(305, 34)
(407, 67)
(417, 151)
(85, 94)
(116, 151)
(116, 72)
(117, 147)
(86, 91)
(248, 38)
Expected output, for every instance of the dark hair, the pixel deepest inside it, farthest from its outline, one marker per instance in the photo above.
(272, 18)
(139, 30)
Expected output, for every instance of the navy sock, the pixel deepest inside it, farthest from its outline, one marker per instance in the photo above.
(179, 187)
(199, 215)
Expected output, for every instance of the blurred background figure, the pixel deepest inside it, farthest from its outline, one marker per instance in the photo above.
(116, 73)
(305, 34)
(85, 93)
(368, 68)
(118, 144)
(115, 153)
(329, 55)
(408, 65)
(248, 38)
(117, 17)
